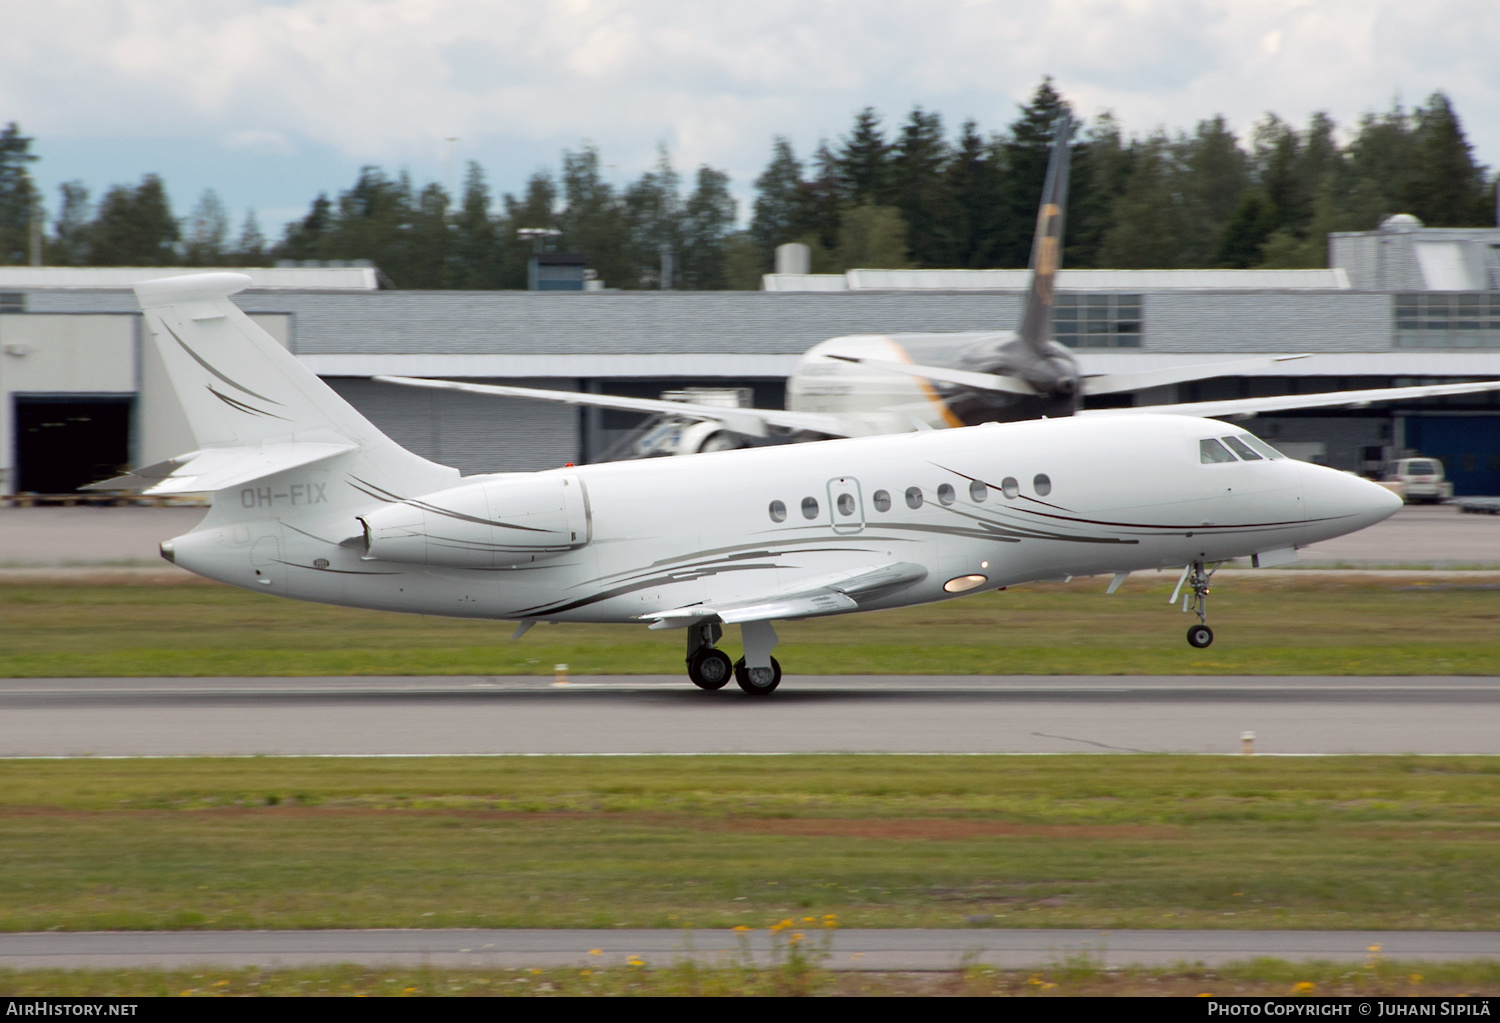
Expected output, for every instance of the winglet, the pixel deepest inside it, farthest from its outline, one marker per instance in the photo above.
(189, 288)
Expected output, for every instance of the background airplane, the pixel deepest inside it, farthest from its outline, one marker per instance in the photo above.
(311, 501)
(863, 385)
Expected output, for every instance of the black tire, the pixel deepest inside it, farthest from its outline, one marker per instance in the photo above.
(1200, 636)
(710, 669)
(742, 677)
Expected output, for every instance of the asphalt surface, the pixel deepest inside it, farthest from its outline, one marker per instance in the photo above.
(847, 949)
(665, 714)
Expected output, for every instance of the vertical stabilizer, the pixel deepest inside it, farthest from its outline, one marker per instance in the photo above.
(246, 398)
(1046, 245)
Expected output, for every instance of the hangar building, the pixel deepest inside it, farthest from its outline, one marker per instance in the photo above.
(80, 395)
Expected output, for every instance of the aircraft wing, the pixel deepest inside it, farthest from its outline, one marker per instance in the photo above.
(752, 422)
(1097, 383)
(828, 595)
(1109, 383)
(199, 472)
(1328, 399)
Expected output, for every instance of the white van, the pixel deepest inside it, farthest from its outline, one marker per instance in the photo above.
(1421, 479)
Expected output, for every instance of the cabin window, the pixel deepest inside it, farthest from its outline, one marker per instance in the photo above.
(809, 507)
(1010, 488)
(978, 491)
(1042, 484)
(882, 500)
(945, 493)
(778, 511)
(1239, 447)
(846, 504)
(1210, 451)
(914, 497)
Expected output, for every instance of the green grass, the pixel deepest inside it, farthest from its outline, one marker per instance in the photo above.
(1264, 978)
(1099, 842)
(1272, 625)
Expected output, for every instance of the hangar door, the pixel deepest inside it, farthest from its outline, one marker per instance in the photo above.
(1468, 446)
(64, 442)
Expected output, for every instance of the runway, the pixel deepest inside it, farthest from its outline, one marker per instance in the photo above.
(906, 949)
(619, 715)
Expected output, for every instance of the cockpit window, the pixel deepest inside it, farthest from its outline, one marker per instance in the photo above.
(1210, 450)
(1242, 449)
(1261, 446)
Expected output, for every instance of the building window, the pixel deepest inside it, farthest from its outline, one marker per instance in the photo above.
(1447, 319)
(12, 301)
(1097, 321)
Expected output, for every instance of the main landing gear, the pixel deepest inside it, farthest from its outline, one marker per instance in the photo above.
(757, 673)
(1196, 577)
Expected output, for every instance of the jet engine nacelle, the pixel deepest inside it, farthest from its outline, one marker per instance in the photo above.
(491, 523)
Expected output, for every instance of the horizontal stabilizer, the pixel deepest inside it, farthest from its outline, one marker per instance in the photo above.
(1279, 403)
(830, 596)
(213, 469)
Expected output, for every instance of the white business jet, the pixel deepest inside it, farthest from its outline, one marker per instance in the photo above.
(311, 501)
(866, 384)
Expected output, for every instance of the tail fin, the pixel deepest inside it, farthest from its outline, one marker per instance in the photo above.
(252, 407)
(1046, 245)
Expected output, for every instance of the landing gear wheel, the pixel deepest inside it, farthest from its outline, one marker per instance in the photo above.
(709, 669)
(1200, 636)
(757, 681)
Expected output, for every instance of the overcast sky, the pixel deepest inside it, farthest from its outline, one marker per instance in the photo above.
(271, 101)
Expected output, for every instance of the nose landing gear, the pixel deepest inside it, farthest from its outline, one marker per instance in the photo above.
(1196, 577)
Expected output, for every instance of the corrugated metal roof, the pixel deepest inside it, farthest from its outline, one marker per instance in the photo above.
(346, 278)
(1067, 280)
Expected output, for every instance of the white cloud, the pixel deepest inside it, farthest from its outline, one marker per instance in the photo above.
(387, 80)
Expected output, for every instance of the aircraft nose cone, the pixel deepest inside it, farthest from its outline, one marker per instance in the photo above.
(1345, 500)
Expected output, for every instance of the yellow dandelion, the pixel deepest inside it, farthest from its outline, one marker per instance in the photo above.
(596, 951)
(1302, 987)
(741, 929)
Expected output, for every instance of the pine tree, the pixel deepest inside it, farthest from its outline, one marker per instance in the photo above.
(476, 242)
(19, 200)
(207, 237)
(1443, 186)
(974, 183)
(708, 218)
(427, 242)
(1101, 166)
(70, 245)
(593, 218)
(1151, 223)
(1244, 236)
(653, 213)
(776, 216)
(308, 238)
(134, 227)
(920, 190)
(1215, 173)
(864, 162)
(250, 250)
